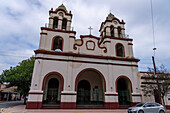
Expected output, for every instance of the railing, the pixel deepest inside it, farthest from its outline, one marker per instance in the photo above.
(60, 27)
(116, 35)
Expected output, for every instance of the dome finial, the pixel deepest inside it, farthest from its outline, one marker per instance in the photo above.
(62, 7)
(110, 16)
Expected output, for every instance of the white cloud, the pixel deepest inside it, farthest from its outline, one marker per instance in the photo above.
(21, 21)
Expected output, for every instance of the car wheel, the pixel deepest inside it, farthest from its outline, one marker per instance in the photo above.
(161, 111)
(140, 111)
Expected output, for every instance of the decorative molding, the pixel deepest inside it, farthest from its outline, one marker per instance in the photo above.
(57, 30)
(115, 38)
(115, 27)
(43, 33)
(88, 46)
(111, 22)
(91, 36)
(66, 60)
(51, 17)
(86, 56)
(69, 14)
(75, 45)
(72, 37)
(106, 42)
(130, 44)
(118, 38)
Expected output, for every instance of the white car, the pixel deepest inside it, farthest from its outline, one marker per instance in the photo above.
(147, 107)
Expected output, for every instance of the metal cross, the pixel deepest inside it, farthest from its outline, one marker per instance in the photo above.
(90, 28)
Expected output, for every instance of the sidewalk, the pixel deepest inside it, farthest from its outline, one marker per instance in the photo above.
(8, 101)
(21, 109)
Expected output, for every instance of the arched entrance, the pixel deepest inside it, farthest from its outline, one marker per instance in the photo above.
(124, 91)
(83, 93)
(90, 87)
(52, 86)
(52, 91)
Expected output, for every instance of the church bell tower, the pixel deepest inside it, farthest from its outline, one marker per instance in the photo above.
(57, 31)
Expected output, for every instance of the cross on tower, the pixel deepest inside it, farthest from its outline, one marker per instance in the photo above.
(90, 28)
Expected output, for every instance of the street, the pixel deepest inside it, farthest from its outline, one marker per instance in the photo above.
(10, 104)
(19, 107)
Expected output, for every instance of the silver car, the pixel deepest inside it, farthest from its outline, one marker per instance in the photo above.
(147, 107)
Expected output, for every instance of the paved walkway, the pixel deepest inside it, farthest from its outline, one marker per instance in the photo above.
(21, 109)
(6, 104)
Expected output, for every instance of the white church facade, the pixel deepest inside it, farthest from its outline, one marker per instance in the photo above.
(90, 72)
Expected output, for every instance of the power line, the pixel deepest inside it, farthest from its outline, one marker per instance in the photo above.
(153, 30)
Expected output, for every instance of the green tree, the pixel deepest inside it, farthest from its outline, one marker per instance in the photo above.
(19, 76)
(156, 84)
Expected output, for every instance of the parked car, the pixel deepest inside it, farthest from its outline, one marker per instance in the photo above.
(147, 107)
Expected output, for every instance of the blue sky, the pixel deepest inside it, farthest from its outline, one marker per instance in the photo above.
(20, 22)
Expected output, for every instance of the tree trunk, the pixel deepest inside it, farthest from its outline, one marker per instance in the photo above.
(163, 100)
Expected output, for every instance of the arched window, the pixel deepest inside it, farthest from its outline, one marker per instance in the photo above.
(57, 44)
(64, 23)
(120, 50)
(119, 32)
(55, 23)
(112, 31)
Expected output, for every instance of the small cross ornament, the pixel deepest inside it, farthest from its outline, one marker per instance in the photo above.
(90, 28)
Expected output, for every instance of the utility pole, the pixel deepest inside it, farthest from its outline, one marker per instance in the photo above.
(157, 82)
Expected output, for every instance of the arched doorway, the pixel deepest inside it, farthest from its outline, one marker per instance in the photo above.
(52, 93)
(124, 91)
(83, 93)
(90, 87)
(52, 87)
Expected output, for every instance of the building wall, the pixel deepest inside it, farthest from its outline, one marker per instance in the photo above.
(70, 70)
(81, 55)
(151, 98)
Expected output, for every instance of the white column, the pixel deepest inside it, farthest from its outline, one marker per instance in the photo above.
(108, 31)
(50, 25)
(123, 33)
(60, 22)
(115, 32)
(68, 26)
